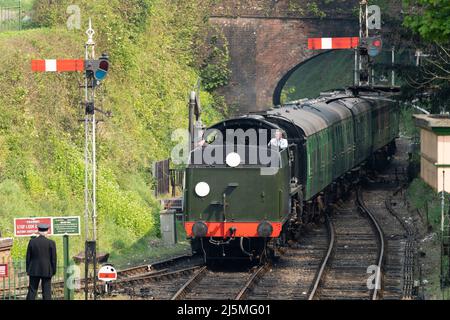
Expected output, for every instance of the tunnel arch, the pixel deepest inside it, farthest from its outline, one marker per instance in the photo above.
(343, 72)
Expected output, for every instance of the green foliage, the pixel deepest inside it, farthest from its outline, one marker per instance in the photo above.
(47, 13)
(430, 18)
(407, 125)
(286, 93)
(295, 7)
(421, 196)
(215, 72)
(150, 43)
(309, 79)
(314, 9)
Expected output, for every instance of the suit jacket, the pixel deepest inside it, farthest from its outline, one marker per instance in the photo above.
(41, 257)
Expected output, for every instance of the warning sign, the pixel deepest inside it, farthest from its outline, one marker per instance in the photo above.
(59, 226)
(27, 227)
(3, 270)
(107, 273)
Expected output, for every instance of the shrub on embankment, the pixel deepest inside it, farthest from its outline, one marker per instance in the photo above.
(152, 46)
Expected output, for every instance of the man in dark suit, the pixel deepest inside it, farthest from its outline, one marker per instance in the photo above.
(41, 264)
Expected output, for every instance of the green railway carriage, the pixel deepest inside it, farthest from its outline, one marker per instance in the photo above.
(362, 127)
(328, 135)
(329, 141)
(385, 122)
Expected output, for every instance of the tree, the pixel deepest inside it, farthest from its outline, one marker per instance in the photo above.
(430, 79)
(429, 18)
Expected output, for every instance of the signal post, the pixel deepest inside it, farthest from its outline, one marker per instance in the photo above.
(95, 71)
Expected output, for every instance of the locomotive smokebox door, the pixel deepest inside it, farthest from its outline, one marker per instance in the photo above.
(168, 227)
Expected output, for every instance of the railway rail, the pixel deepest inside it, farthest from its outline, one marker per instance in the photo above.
(224, 285)
(409, 253)
(138, 274)
(365, 250)
(387, 199)
(359, 247)
(297, 266)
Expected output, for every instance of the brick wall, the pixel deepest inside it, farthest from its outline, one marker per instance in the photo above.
(268, 38)
(283, 8)
(263, 50)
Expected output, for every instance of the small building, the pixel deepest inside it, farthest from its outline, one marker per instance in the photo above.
(5, 250)
(435, 150)
(5, 259)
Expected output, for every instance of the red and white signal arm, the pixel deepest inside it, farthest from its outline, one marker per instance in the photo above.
(107, 273)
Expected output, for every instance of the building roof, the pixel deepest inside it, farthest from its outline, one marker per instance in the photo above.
(438, 123)
(5, 243)
(313, 117)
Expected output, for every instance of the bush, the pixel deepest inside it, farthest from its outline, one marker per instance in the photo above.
(41, 139)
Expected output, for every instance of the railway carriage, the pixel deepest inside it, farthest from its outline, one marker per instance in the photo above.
(232, 208)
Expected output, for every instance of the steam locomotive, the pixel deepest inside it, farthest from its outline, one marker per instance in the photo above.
(239, 204)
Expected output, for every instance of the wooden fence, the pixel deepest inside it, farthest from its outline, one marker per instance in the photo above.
(167, 180)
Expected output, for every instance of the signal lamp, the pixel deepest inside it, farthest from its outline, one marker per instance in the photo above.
(103, 66)
(374, 46)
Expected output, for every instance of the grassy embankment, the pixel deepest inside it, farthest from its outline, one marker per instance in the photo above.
(422, 197)
(153, 68)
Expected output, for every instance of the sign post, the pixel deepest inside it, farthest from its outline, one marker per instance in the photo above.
(95, 71)
(66, 226)
(28, 227)
(59, 226)
(68, 292)
(107, 273)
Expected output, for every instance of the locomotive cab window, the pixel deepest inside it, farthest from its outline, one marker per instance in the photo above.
(239, 156)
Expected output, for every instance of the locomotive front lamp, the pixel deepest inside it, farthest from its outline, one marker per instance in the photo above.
(202, 189)
(233, 159)
(199, 229)
(265, 229)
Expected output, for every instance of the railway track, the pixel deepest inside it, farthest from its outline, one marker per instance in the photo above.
(209, 284)
(388, 202)
(239, 282)
(297, 267)
(409, 250)
(141, 274)
(350, 271)
(175, 262)
(160, 286)
(156, 280)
